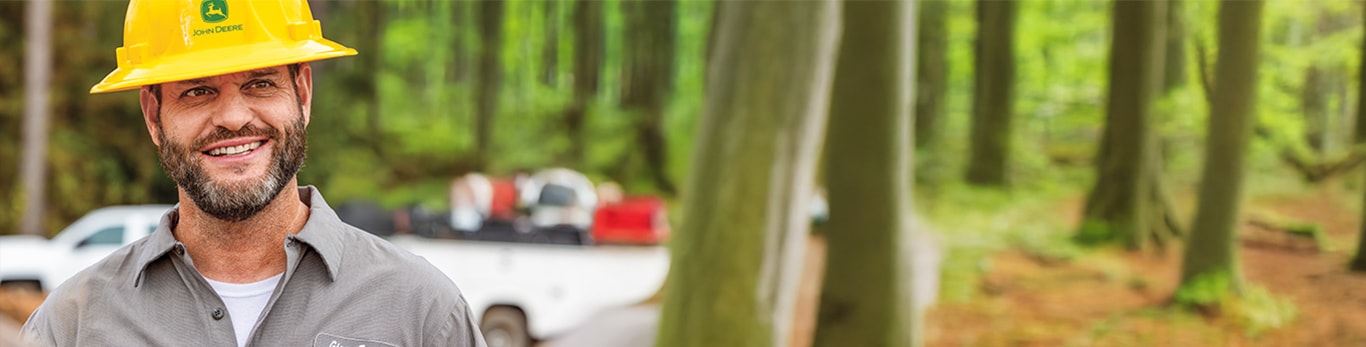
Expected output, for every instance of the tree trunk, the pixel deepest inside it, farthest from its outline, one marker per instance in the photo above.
(1174, 65)
(588, 52)
(37, 80)
(371, 40)
(648, 78)
(993, 94)
(1120, 206)
(460, 47)
(932, 70)
(1359, 262)
(550, 51)
(867, 297)
(1211, 255)
(1314, 104)
(736, 258)
(490, 77)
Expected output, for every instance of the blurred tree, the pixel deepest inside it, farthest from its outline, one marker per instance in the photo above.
(737, 256)
(1210, 269)
(932, 70)
(371, 66)
(459, 67)
(993, 95)
(1359, 262)
(1174, 64)
(490, 72)
(588, 57)
(550, 49)
(867, 293)
(647, 74)
(37, 80)
(1128, 203)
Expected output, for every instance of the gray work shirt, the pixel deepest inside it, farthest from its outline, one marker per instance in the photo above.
(342, 287)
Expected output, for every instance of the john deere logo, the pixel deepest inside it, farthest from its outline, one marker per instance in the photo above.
(213, 11)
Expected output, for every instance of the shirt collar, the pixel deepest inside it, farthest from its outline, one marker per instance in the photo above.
(320, 232)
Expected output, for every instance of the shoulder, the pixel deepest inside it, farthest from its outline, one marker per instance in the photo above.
(365, 255)
(60, 314)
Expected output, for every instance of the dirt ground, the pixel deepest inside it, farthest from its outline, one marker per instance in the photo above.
(1116, 298)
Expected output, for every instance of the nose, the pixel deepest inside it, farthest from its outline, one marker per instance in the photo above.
(234, 112)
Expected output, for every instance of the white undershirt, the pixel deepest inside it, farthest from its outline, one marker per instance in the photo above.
(245, 302)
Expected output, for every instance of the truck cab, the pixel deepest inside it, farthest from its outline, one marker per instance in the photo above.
(41, 264)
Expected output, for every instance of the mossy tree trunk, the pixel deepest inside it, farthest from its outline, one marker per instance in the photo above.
(648, 75)
(866, 296)
(994, 93)
(490, 20)
(1211, 259)
(1128, 205)
(932, 69)
(736, 258)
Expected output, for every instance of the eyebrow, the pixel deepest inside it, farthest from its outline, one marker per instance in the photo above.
(250, 74)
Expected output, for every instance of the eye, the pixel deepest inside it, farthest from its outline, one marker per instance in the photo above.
(260, 84)
(195, 92)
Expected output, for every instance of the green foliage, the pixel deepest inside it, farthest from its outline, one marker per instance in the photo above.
(1207, 289)
(1250, 307)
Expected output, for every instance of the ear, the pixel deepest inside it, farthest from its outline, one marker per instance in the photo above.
(151, 112)
(304, 84)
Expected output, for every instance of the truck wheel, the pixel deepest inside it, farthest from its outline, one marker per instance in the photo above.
(30, 285)
(505, 326)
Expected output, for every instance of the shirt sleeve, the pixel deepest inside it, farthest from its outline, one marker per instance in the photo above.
(38, 330)
(459, 329)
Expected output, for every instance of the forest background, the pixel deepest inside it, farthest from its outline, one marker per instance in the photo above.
(616, 89)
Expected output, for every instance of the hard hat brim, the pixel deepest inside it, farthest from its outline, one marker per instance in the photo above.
(212, 62)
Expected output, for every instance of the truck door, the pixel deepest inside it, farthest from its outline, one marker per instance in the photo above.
(85, 253)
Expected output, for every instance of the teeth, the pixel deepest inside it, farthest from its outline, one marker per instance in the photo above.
(233, 150)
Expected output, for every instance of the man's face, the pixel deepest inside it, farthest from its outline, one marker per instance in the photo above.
(233, 142)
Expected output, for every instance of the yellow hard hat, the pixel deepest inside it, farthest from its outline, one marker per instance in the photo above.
(166, 41)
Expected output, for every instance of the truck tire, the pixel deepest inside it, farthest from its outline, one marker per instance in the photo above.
(505, 326)
(29, 285)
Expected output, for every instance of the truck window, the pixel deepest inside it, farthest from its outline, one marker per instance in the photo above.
(108, 236)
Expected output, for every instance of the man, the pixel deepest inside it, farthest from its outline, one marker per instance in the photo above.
(248, 257)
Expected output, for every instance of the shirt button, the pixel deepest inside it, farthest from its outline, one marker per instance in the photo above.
(217, 314)
(179, 249)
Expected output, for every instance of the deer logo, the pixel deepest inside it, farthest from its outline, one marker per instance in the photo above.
(213, 11)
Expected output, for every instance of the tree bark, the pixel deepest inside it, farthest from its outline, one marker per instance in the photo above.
(1211, 255)
(932, 70)
(648, 75)
(490, 77)
(37, 80)
(867, 297)
(1121, 208)
(993, 95)
(736, 258)
(588, 52)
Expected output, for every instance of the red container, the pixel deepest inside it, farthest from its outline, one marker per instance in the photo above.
(637, 220)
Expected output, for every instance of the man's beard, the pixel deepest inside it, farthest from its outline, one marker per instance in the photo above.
(235, 202)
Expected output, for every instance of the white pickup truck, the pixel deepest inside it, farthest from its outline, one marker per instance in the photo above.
(525, 291)
(38, 263)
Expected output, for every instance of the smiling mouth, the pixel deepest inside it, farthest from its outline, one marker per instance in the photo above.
(241, 149)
